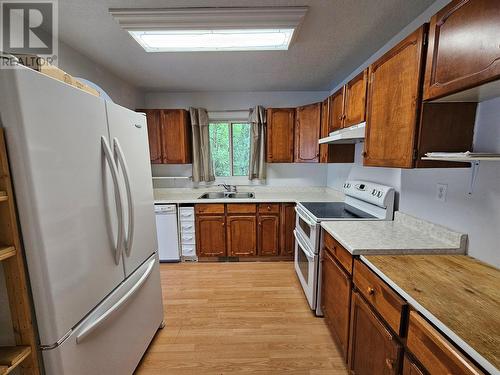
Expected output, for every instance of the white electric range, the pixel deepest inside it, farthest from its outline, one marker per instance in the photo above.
(363, 201)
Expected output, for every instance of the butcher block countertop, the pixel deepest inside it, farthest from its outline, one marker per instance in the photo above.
(458, 294)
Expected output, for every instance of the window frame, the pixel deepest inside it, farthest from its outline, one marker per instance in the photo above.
(230, 124)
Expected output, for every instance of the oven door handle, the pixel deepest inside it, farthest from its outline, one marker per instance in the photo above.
(304, 248)
(302, 216)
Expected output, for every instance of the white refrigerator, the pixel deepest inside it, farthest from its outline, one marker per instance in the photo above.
(83, 188)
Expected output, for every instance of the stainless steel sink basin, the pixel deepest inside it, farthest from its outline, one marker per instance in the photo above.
(222, 195)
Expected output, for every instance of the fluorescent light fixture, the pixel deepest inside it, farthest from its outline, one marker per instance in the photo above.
(214, 40)
(212, 29)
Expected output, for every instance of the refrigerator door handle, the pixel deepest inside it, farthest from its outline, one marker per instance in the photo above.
(119, 208)
(123, 165)
(86, 331)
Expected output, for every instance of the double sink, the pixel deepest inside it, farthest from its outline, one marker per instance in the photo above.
(227, 194)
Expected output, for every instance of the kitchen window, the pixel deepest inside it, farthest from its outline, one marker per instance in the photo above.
(230, 147)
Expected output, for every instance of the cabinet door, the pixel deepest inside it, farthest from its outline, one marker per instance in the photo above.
(269, 234)
(176, 134)
(280, 135)
(355, 100)
(410, 367)
(336, 300)
(241, 236)
(287, 227)
(463, 47)
(307, 130)
(154, 134)
(337, 110)
(210, 236)
(373, 349)
(394, 104)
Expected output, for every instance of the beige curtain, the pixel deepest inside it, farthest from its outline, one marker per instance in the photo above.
(257, 164)
(202, 159)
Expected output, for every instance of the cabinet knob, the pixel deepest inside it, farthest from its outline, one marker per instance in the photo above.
(340, 117)
(364, 154)
(370, 291)
(269, 208)
(222, 224)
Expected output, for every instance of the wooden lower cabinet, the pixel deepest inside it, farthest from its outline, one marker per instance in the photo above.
(211, 235)
(241, 236)
(287, 226)
(336, 300)
(410, 367)
(373, 347)
(269, 235)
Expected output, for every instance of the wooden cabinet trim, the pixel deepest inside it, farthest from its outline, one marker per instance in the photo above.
(385, 301)
(435, 352)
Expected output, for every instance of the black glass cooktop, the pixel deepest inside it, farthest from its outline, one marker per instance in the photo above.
(335, 210)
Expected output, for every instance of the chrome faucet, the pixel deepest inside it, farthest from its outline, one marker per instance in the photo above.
(229, 188)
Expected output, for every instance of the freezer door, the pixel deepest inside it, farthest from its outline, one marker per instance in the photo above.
(129, 136)
(113, 338)
(64, 193)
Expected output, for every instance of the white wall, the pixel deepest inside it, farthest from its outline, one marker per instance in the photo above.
(277, 174)
(478, 214)
(78, 65)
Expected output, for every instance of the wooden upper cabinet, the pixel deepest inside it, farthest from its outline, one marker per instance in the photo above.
(307, 131)
(324, 132)
(280, 135)
(373, 349)
(464, 47)
(211, 235)
(268, 235)
(287, 226)
(355, 100)
(336, 299)
(336, 110)
(394, 104)
(241, 235)
(176, 136)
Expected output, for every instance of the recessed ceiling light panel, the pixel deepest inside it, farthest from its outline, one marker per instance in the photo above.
(211, 29)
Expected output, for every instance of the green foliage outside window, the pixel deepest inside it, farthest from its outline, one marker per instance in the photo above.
(227, 160)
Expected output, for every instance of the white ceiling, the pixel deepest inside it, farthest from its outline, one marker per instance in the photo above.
(336, 37)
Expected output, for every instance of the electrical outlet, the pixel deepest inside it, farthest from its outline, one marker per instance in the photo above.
(441, 190)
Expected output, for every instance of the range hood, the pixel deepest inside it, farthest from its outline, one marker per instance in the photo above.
(352, 134)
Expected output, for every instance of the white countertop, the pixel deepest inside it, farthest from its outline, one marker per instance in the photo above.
(262, 194)
(404, 235)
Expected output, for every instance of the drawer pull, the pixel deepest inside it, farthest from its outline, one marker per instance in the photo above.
(389, 363)
(370, 291)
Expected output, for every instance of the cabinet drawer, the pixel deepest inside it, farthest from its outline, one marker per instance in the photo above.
(338, 252)
(269, 208)
(188, 250)
(188, 238)
(209, 208)
(187, 227)
(186, 213)
(241, 208)
(433, 351)
(390, 305)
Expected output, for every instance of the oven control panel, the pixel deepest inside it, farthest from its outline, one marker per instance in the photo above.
(380, 195)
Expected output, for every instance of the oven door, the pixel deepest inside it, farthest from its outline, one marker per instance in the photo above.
(307, 227)
(306, 268)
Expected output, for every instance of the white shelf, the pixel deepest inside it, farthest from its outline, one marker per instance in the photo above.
(474, 163)
(464, 159)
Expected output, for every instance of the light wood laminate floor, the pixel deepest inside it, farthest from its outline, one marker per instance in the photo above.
(238, 318)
